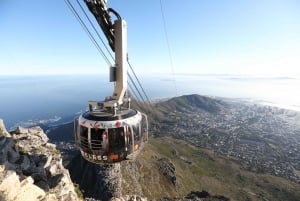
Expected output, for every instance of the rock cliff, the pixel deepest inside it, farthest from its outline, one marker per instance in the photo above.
(31, 168)
(101, 182)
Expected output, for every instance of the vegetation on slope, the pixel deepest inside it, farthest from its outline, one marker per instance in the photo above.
(200, 169)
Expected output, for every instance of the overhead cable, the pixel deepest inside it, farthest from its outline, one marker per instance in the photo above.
(138, 81)
(168, 45)
(130, 78)
(82, 23)
(95, 30)
(87, 31)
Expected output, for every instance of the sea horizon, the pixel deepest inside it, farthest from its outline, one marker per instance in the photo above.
(50, 99)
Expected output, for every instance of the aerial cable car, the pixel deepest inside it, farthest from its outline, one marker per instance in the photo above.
(111, 131)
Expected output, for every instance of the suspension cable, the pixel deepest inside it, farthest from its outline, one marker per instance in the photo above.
(133, 94)
(168, 44)
(87, 31)
(140, 85)
(130, 78)
(113, 58)
(95, 30)
(138, 81)
(82, 23)
(149, 106)
(132, 91)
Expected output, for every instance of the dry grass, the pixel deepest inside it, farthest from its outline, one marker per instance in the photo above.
(206, 171)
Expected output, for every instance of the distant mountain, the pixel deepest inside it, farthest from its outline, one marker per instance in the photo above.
(191, 102)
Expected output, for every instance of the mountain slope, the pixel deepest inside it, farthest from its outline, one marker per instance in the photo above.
(199, 169)
(225, 148)
(196, 169)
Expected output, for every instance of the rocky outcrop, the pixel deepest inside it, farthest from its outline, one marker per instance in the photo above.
(167, 168)
(129, 198)
(197, 196)
(31, 168)
(205, 196)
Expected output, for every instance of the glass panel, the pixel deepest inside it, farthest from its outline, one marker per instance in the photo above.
(116, 139)
(84, 137)
(128, 140)
(137, 132)
(144, 128)
(96, 138)
(105, 144)
(76, 131)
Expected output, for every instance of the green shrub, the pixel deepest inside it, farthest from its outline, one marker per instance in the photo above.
(78, 191)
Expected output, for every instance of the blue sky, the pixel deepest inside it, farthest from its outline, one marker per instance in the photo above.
(260, 37)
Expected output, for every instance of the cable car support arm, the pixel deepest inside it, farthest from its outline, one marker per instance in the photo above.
(116, 34)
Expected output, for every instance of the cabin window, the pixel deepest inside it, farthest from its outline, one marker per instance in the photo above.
(137, 132)
(128, 138)
(116, 139)
(84, 132)
(77, 129)
(96, 138)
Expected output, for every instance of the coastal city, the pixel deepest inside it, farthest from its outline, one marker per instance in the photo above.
(265, 139)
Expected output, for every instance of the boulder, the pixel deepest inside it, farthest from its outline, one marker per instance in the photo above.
(8, 151)
(20, 130)
(24, 162)
(12, 189)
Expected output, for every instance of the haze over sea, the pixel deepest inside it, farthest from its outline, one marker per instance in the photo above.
(27, 100)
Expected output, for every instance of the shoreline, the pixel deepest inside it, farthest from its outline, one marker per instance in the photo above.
(57, 121)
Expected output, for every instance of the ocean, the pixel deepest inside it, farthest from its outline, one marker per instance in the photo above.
(29, 100)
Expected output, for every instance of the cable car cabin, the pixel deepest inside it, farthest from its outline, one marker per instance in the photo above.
(104, 138)
(110, 131)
